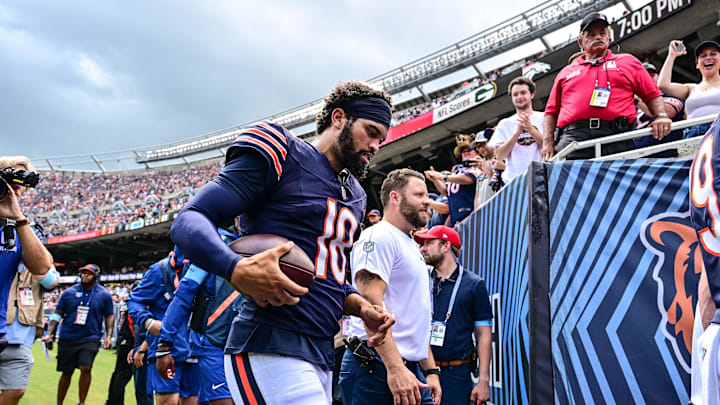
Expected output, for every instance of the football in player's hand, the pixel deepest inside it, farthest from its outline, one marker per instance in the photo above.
(295, 264)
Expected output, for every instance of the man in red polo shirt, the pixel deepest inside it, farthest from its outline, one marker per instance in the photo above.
(594, 97)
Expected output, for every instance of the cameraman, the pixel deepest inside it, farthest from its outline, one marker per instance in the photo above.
(27, 249)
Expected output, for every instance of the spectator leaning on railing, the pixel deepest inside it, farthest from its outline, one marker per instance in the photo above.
(700, 99)
(594, 97)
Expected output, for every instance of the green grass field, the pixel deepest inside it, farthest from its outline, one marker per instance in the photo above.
(42, 389)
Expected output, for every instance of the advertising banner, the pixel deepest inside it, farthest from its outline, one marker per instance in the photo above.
(624, 268)
(406, 128)
(470, 100)
(495, 246)
(592, 271)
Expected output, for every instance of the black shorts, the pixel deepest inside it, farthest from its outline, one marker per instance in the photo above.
(75, 353)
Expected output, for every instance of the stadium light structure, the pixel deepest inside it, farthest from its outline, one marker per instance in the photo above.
(507, 35)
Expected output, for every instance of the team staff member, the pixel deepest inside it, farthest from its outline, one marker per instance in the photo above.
(461, 307)
(25, 319)
(594, 97)
(213, 304)
(389, 271)
(28, 248)
(82, 309)
(280, 347)
(147, 305)
(374, 217)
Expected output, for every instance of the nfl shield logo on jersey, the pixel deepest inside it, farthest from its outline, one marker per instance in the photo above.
(368, 246)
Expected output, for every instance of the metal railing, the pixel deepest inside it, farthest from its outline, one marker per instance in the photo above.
(625, 136)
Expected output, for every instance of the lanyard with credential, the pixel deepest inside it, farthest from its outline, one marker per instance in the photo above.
(452, 297)
(87, 304)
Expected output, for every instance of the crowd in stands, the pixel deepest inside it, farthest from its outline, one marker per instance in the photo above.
(466, 87)
(65, 205)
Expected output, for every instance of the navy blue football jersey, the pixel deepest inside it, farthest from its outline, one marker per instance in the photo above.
(461, 198)
(704, 208)
(306, 202)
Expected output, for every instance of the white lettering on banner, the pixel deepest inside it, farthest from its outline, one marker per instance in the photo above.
(645, 16)
(454, 107)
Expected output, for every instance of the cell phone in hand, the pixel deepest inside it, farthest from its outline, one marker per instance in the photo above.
(678, 46)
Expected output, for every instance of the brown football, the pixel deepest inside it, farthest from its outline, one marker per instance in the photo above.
(295, 264)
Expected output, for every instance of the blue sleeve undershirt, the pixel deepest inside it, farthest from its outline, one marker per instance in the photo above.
(239, 185)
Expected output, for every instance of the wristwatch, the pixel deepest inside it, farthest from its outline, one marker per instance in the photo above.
(429, 371)
(662, 115)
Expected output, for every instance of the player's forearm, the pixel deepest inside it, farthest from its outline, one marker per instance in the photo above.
(354, 304)
(178, 311)
(196, 235)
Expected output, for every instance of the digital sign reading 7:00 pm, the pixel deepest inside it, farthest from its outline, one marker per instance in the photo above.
(646, 16)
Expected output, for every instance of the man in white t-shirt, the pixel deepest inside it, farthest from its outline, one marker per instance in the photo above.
(518, 138)
(389, 270)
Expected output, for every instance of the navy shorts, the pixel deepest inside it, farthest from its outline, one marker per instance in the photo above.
(73, 354)
(186, 380)
(213, 384)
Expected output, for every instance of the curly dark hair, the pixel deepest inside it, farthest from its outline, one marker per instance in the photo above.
(341, 94)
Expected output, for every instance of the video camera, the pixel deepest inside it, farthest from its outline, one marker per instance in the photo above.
(17, 176)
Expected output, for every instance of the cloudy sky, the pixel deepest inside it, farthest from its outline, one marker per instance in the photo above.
(90, 76)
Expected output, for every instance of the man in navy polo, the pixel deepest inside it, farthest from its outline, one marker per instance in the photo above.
(460, 307)
(81, 308)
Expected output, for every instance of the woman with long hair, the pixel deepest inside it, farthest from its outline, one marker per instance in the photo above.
(702, 98)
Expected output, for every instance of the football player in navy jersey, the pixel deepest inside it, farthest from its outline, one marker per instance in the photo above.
(705, 216)
(280, 346)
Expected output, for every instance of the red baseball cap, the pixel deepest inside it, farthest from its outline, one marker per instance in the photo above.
(440, 232)
(93, 268)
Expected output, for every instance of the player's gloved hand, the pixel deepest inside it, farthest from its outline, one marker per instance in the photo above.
(166, 366)
(378, 322)
(481, 393)
(403, 385)
(260, 278)
(433, 381)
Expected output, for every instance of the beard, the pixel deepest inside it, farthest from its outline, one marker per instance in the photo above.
(351, 159)
(412, 214)
(432, 260)
(88, 284)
